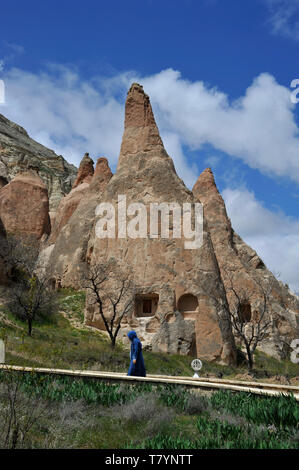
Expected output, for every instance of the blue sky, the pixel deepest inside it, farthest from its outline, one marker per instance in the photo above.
(218, 73)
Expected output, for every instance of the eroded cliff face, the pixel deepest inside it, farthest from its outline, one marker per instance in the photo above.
(177, 285)
(66, 250)
(24, 206)
(18, 153)
(242, 269)
(69, 203)
(85, 172)
(183, 295)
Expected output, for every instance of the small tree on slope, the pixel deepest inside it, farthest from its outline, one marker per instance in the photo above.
(113, 293)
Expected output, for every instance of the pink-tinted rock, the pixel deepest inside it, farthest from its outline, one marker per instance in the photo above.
(241, 266)
(102, 175)
(94, 182)
(70, 202)
(24, 206)
(164, 270)
(85, 172)
(66, 208)
(67, 248)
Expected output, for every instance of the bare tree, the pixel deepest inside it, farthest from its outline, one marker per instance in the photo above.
(250, 331)
(20, 412)
(113, 293)
(29, 296)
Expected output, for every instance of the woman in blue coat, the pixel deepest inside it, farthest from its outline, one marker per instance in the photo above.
(137, 366)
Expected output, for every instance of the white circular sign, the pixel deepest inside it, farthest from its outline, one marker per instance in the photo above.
(196, 364)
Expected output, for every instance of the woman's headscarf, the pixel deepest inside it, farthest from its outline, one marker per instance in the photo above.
(131, 335)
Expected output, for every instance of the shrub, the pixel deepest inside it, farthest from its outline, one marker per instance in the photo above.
(196, 404)
(141, 408)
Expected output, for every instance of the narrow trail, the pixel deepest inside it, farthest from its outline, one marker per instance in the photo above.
(259, 388)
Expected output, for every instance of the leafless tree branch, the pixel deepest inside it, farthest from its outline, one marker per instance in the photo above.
(114, 293)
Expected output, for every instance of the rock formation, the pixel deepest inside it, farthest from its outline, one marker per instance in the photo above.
(67, 206)
(69, 203)
(18, 152)
(102, 175)
(85, 172)
(24, 206)
(183, 296)
(242, 268)
(88, 182)
(67, 246)
(176, 287)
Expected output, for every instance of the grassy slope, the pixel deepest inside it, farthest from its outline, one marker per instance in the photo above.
(78, 416)
(57, 343)
(85, 413)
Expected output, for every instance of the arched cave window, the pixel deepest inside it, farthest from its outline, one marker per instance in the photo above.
(187, 303)
(245, 312)
(146, 304)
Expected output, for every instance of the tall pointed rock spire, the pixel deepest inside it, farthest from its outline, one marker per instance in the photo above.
(162, 265)
(85, 172)
(141, 133)
(89, 182)
(102, 175)
(206, 191)
(205, 185)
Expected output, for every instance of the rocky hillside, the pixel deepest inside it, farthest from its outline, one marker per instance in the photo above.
(245, 275)
(18, 152)
(177, 285)
(183, 296)
(24, 206)
(183, 283)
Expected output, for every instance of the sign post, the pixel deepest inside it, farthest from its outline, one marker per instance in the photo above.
(196, 365)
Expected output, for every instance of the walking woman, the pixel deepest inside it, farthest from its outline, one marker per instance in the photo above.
(137, 366)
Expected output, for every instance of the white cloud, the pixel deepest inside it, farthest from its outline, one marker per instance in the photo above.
(73, 116)
(274, 235)
(284, 17)
(212, 160)
(259, 127)
(64, 113)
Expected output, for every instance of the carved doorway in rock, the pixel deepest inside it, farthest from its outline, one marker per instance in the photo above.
(146, 304)
(187, 305)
